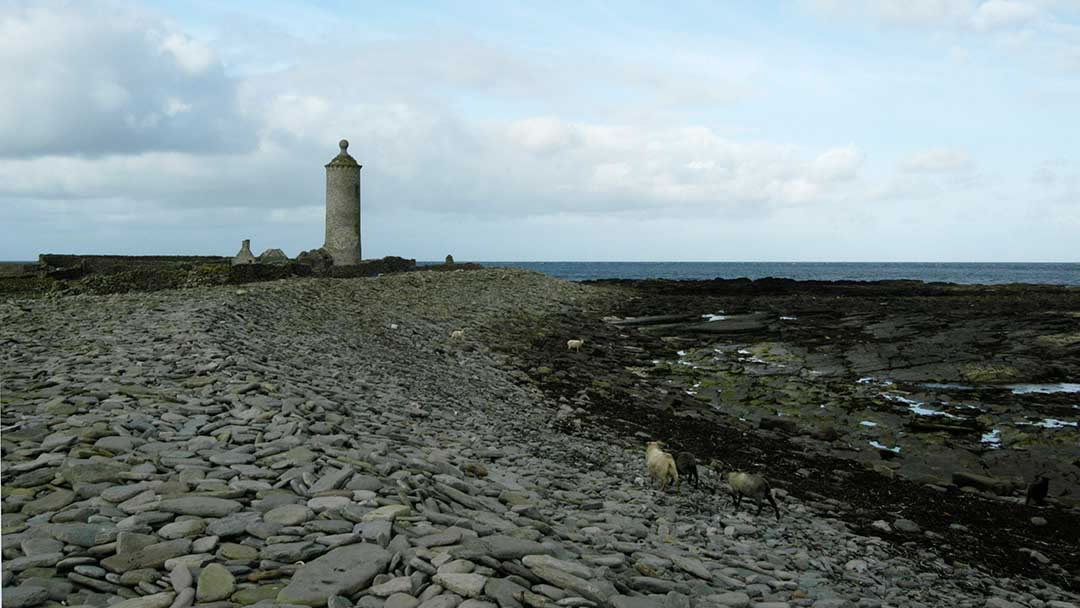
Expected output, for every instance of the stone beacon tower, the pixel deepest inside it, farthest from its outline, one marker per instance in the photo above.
(343, 208)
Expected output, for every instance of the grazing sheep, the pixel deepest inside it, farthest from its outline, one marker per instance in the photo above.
(748, 484)
(661, 465)
(1037, 491)
(687, 464)
(574, 344)
(457, 334)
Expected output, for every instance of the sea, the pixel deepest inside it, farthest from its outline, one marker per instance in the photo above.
(962, 273)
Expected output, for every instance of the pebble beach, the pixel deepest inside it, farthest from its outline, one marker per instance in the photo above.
(323, 442)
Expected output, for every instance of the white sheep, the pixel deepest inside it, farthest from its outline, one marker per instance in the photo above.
(457, 334)
(574, 344)
(661, 464)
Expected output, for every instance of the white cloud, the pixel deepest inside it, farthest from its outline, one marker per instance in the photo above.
(938, 160)
(898, 12)
(995, 14)
(109, 78)
(1059, 182)
(543, 134)
(981, 15)
(838, 164)
(192, 56)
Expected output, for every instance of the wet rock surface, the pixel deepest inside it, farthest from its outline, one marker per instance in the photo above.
(325, 443)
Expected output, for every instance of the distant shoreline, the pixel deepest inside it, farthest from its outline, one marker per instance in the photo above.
(960, 273)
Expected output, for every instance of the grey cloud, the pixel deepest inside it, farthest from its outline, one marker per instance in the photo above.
(98, 79)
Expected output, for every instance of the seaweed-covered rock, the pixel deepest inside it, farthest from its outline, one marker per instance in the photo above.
(318, 260)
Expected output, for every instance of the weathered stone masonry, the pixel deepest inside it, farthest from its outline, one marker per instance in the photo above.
(343, 208)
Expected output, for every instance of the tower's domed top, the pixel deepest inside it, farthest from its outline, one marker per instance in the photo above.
(343, 159)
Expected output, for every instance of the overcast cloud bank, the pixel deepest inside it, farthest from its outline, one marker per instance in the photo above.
(818, 130)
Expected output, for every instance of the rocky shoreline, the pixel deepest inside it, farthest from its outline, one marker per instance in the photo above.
(325, 442)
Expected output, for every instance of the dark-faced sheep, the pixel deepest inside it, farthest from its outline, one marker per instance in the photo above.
(1037, 491)
(687, 465)
(748, 484)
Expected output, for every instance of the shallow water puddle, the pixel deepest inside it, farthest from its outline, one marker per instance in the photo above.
(1017, 389)
(917, 407)
(880, 446)
(868, 423)
(1060, 387)
(1051, 423)
(946, 386)
(714, 317)
(872, 380)
(992, 439)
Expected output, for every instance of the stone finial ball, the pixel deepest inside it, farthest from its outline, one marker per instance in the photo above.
(344, 145)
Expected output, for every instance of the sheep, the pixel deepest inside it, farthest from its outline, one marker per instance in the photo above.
(748, 484)
(687, 465)
(1037, 491)
(457, 334)
(574, 344)
(661, 465)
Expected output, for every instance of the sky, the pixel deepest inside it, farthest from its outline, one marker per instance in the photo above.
(791, 130)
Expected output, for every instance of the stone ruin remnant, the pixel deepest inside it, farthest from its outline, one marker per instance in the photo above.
(275, 257)
(244, 256)
(343, 208)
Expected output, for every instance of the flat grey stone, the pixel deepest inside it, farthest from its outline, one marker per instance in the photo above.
(92, 472)
(290, 552)
(51, 501)
(445, 600)
(576, 569)
(906, 525)
(732, 599)
(598, 591)
(180, 578)
(24, 596)
(500, 547)
(203, 506)
(215, 583)
(450, 536)
(401, 600)
(328, 503)
(184, 598)
(639, 601)
(506, 592)
(342, 571)
(400, 584)
(58, 588)
(157, 600)
(289, 515)
(153, 556)
(37, 546)
(117, 494)
(331, 480)
(463, 584)
(232, 525)
(42, 560)
(182, 529)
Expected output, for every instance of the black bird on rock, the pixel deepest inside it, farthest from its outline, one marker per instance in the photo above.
(1037, 491)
